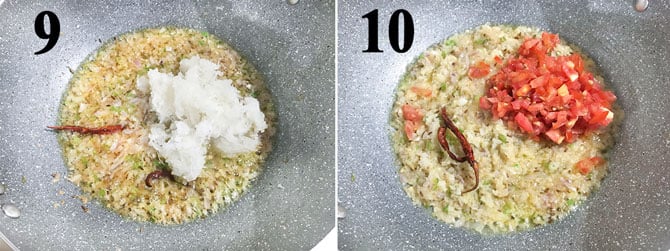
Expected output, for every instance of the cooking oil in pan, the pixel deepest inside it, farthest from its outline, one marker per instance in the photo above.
(641, 5)
(11, 211)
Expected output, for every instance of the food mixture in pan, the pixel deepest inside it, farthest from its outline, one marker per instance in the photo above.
(165, 125)
(502, 128)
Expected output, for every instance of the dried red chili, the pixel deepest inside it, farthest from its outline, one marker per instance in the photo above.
(467, 149)
(157, 175)
(89, 130)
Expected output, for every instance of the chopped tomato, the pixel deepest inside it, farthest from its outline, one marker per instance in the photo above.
(421, 91)
(552, 97)
(603, 117)
(410, 128)
(586, 165)
(479, 70)
(570, 72)
(411, 113)
(413, 117)
(523, 122)
(498, 60)
(484, 103)
(554, 135)
(549, 40)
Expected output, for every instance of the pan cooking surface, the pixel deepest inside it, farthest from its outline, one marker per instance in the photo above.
(289, 206)
(629, 211)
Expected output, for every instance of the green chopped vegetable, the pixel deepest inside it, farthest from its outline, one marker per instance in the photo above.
(201, 42)
(353, 177)
(115, 108)
(429, 145)
(516, 165)
(570, 202)
(204, 34)
(435, 182)
(450, 42)
(144, 70)
(101, 193)
(481, 41)
(445, 209)
(451, 138)
(443, 87)
(161, 164)
(502, 138)
(444, 54)
(75, 140)
(23, 179)
(84, 161)
(135, 161)
(507, 208)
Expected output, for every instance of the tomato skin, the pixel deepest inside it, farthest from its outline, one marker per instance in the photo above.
(547, 96)
(479, 70)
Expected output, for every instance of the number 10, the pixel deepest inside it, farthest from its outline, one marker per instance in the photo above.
(373, 28)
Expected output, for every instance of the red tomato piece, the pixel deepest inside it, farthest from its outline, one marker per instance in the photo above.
(484, 103)
(421, 91)
(523, 122)
(410, 128)
(479, 70)
(586, 165)
(549, 40)
(411, 113)
(498, 60)
(555, 136)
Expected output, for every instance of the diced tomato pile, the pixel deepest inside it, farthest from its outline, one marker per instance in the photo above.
(546, 96)
(413, 117)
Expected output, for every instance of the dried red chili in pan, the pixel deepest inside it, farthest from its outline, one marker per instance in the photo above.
(157, 175)
(467, 149)
(88, 130)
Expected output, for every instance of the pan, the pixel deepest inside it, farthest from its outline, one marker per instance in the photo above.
(629, 211)
(289, 206)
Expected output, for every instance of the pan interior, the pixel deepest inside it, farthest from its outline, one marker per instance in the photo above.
(290, 203)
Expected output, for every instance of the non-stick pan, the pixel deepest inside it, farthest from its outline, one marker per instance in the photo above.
(290, 206)
(630, 211)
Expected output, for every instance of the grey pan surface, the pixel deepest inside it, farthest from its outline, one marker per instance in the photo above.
(291, 204)
(630, 211)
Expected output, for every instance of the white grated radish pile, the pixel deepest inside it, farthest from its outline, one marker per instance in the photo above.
(196, 110)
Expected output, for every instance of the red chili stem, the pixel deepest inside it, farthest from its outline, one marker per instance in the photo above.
(88, 130)
(467, 149)
(157, 175)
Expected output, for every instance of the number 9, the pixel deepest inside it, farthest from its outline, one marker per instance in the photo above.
(54, 30)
